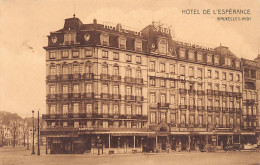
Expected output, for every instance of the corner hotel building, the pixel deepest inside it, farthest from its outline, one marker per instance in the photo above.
(135, 90)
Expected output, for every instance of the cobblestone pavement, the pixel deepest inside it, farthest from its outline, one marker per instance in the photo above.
(21, 156)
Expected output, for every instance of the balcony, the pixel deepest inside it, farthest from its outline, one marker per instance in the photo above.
(88, 76)
(88, 95)
(200, 108)
(139, 80)
(163, 105)
(231, 94)
(225, 110)
(200, 92)
(104, 76)
(218, 93)
(129, 98)
(232, 110)
(64, 96)
(49, 116)
(52, 96)
(192, 92)
(183, 91)
(116, 96)
(209, 92)
(65, 77)
(105, 95)
(52, 77)
(225, 94)
(183, 106)
(76, 76)
(217, 109)
(76, 95)
(116, 78)
(139, 98)
(250, 101)
(209, 108)
(192, 107)
(129, 80)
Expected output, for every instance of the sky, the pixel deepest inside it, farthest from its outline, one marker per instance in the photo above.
(25, 25)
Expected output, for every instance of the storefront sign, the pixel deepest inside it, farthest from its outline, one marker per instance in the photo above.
(119, 29)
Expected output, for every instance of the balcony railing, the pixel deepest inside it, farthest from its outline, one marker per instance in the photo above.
(209, 108)
(232, 110)
(200, 92)
(192, 107)
(224, 93)
(64, 96)
(52, 96)
(224, 109)
(116, 78)
(201, 108)
(129, 80)
(139, 98)
(216, 92)
(104, 76)
(88, 95)
(183, 91)
(52, 77)
(76, 95)
(209, 91)
(129, 97)
(192, 92)
(76, 76)
(116, 96)
(217, 109)
(139, 80)
(89, 76)
(163, 105)
(105, 95)
(183, 106)
(65, 76)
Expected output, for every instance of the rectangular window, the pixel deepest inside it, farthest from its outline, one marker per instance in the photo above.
(237, 77)
(163, 98)
(105, 109)
(65, 124)
(104, 54)
(217, 87)
(231, 76)
(105, 88)
(65, 54)
(138, 92)
(128, 110)
(163, 118)
(152, 82)
(138, 59)
(191, 71)
(199, 73)
(182, 70)
(104, 39)
(76, 124)
(172, 84)
(53, 70)
(224, 76)
(128, 58)
(116, 55)
(75, 88)
(162, 83)
(128, 90)
(162, 67)
(216, 74)
(53, 109)
(89, 109)
(209, 73)
(152, 66)
(52, 89)
(153, 117)
(172, 68)
(65, 109)
(116, 70)
(104, 69)
(209, 59)
(65, 89)
(76, 108)
(172, 99)
(115, 89)
(200, 119)
(182, 53)
(199, 57)
(139, 110)
(182, 100)
(52, 55)
(75, 54)
(122, 43)
(105, 124)
(89, 88)
(224, 87)
(128, 124)
(173, 118)
(115, 109)
(152, 98)
(88, 53)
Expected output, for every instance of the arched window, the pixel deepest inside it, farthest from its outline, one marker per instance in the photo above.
(138, 73)
(105, 68)
(88, 67)
(128, 72)
(65, 69)
(75, 68)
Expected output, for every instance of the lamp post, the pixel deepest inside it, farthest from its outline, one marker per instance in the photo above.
(38, 137)
(33, 133)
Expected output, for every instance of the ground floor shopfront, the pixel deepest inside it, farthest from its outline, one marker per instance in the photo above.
(114, 142)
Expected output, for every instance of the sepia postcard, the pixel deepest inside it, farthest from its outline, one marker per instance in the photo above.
(129, 82)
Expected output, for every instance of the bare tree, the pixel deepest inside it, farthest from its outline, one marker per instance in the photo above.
(2, 132)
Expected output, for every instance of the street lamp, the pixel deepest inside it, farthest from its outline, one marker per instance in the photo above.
(33, 133)
(38, 137)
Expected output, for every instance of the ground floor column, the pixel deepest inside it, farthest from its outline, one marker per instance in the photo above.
(134, 142)
(156, 143)
(189, 143)
(109, 136)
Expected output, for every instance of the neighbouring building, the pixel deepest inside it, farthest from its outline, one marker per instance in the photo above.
(124, 91)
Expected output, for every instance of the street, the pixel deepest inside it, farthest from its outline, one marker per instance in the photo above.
(21, 156)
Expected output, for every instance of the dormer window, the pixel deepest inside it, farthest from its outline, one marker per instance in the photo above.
(216, 60)
(75, 54)
(237, 64)
(209, 59)
(69, 37)
(52, 55)
(122, 43)
(199, 56)
(182, 53)
(65, 54)
(191, 55)
(162, 46)
(104, 39)
(138, 45)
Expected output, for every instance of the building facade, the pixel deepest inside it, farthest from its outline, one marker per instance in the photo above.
(124, 91)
